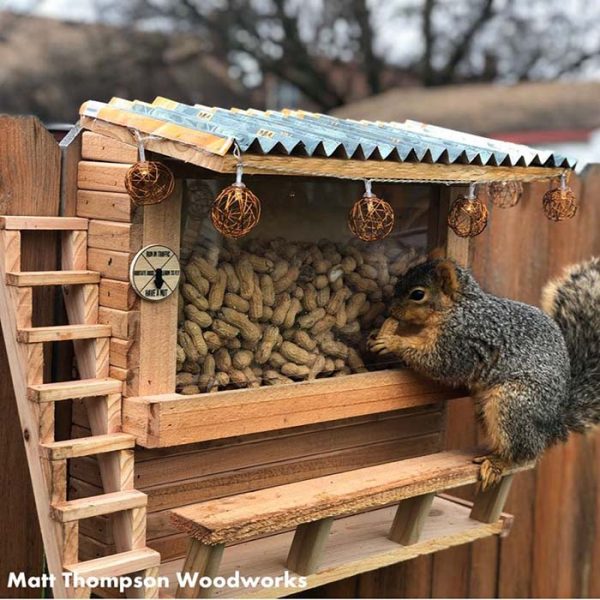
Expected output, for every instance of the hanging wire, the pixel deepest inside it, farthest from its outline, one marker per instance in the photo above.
(140, 139)
(471, 193)
(239, 167)
(140, 144)
(563, 181)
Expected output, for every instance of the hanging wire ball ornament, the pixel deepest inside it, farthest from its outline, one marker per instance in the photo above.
(371, 218)
(468, 215)
(148, 182)
(236, 210)
(505, 194)
(560, 203)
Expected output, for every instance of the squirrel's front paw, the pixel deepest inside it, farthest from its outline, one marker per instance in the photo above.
(381, 344)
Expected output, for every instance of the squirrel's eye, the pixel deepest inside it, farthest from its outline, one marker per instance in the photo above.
(417, 295)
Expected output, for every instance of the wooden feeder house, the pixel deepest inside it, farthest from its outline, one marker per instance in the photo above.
(222, 273)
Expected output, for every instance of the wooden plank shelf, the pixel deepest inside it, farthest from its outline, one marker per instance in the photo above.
(117, 564)
(104, 504)
(69, 390)
(87, 446)
(355, 545)
(237, 518)
(61, 333)
(26, 223)
(38, 278)
(173, 419)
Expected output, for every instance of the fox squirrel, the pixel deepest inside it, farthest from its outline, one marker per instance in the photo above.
(534, 377)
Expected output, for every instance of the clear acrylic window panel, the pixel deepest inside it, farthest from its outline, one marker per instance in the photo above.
(298, 297)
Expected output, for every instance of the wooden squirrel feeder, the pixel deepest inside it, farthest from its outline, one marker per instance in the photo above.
(227, 415)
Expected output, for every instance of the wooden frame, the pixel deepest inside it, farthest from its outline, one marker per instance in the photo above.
(173, 419)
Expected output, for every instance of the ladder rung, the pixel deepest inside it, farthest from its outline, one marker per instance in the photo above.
(116, 564)
(87, 446)
(94, 506)
(69, 390)
(32, 335)
(35, 278)
(43, 223)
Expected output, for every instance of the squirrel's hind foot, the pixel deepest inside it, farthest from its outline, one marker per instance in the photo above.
(491, 470)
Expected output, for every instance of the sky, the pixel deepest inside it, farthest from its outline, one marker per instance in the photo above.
(78, 10)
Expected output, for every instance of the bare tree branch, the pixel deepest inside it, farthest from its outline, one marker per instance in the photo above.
(428, 41)
(447, 74)
(372, 64)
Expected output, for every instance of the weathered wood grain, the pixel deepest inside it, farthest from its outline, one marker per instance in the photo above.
(109, 263)
(97, 147)
(111, 206)
(117, 294)
(101, 176)
(245, 516)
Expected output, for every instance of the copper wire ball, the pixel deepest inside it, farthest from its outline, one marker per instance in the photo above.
(505, 194)
(149, 182)
(371, 218)
(235, 211)
(560, 204)
(468, 217)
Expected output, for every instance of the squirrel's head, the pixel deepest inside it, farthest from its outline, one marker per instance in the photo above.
(426, 292)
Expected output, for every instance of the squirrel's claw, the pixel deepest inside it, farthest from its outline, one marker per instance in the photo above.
(491, 471)
(379, 345)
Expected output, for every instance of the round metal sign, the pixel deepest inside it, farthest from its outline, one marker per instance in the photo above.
(154, 273)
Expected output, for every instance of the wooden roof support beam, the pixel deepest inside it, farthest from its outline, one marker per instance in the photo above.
(255, 164)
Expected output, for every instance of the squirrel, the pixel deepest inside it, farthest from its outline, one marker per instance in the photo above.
(534, 375)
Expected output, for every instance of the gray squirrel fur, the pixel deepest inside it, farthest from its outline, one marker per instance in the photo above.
(534, 376)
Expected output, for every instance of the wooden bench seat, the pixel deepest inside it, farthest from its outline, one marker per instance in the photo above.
(311, 506)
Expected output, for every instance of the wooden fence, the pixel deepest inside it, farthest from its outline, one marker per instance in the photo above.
(554, 548)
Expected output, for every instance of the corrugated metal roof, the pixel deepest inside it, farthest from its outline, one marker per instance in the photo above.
(300, 133)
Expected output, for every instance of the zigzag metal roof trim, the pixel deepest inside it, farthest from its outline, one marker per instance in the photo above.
(302, 133)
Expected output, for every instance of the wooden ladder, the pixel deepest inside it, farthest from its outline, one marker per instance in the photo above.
(59, 518)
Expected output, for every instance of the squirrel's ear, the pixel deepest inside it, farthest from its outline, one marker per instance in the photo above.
(446, 271)
(436, 254)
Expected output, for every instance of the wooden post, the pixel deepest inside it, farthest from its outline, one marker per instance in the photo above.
(158, 320)
(308, 545)
(489, 504)
(150, 591)
(457, 248)
(70, 547)
(204, 561)
(410, 518)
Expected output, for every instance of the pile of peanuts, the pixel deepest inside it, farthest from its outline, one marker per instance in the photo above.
(274, 312)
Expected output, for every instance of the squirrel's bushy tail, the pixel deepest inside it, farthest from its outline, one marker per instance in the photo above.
(573, 300)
